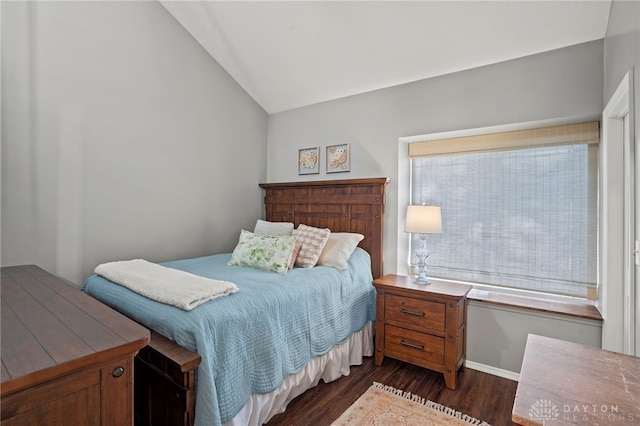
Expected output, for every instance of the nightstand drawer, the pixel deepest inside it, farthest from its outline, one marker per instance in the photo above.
(414, 347)
(416, 314)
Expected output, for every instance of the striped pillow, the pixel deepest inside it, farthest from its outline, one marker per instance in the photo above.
(294, 255)
(313, 241)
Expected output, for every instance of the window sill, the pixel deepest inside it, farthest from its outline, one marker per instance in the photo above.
(579, 310)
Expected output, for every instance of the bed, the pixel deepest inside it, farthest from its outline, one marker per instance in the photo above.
(245, 373)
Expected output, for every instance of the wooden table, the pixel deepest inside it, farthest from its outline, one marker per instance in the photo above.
(67, 359)
(563, 383)
(422, 324)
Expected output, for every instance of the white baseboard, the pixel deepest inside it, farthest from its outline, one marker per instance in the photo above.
(505, 374)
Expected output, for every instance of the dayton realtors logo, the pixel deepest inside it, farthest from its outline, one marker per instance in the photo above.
(545, 411)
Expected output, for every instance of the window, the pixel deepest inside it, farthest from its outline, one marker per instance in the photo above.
(519, 209)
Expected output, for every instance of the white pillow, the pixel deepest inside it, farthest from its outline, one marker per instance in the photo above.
(313, 241)
(272, 228)
(339, 248)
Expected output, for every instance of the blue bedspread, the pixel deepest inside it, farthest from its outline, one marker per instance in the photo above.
(249, 341)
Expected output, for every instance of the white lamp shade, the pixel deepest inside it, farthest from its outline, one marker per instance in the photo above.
(423, 220)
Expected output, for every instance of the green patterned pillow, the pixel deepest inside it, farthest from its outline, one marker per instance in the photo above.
(263, 252)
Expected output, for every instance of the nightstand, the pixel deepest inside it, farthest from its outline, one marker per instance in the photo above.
(421, 324)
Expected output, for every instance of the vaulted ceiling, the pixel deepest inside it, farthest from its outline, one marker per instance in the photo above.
(288, 54)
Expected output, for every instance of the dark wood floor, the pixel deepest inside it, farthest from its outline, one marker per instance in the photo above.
(480, 395)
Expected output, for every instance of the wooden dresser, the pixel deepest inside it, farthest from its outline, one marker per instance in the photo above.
(422, 324)
(67, 359)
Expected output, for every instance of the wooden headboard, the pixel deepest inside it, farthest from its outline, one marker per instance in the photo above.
(352, 205)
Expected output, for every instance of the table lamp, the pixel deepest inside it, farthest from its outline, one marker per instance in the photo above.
(423, 220)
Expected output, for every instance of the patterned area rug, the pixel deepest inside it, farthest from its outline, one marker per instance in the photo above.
(384, 405)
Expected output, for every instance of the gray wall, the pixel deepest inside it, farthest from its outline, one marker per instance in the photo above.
(120, 135)
(622, 50)
(557, 84)
(121, 138)
(497, 335)
(560, 84)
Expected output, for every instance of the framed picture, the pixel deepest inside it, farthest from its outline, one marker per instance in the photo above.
(338, 158)
(309, 161)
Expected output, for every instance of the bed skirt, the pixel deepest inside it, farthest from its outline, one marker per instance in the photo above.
(328, 367)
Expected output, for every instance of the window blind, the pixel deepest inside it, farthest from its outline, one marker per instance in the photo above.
(581, 133)
(519, 209)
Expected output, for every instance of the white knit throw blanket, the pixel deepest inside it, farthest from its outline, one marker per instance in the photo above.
(165, 285)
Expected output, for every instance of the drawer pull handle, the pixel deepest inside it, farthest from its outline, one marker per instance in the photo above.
(411, 345)
(418, 314)
(117, 372)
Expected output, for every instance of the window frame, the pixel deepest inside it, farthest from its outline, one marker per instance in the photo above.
(404, 199)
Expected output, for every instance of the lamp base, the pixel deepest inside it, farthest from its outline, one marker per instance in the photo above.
(422, 280)
(422, 255)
